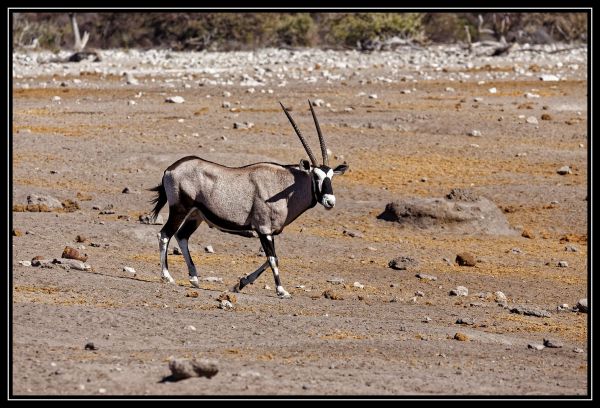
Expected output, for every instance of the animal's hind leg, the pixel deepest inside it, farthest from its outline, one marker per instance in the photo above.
(176, 217)
(191, 223)
(269, 246)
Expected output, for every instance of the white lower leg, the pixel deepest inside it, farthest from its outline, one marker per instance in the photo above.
(193, 274)
(281, 292)
(163, 243)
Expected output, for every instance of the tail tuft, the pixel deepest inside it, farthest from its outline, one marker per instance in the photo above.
(159, 200)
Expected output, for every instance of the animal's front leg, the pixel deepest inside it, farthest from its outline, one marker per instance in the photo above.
(247, 280)
(269, 246)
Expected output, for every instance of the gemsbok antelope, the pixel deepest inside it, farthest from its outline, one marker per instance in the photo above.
(259, 198)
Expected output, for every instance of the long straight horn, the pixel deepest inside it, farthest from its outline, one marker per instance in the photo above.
(311, 156)
(321, 139)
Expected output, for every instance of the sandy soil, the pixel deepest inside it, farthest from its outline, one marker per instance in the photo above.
(379, 340)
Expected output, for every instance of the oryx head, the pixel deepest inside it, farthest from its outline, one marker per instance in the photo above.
(322, 174)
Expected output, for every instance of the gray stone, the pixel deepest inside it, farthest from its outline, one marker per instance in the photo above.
(212, 279)
(563, 264)
(577, 350)
(419, 293)
(25, 263)
(318, 102)
(209, 249)
(459, 291)
(536, 346)
(402, 263)
(225, 305)
(426, 319)
(552, 343)
(226, 104)
(571, 248)
(532, 120)
(530, 311)
(548, 77)
(336, 281)
(129, 270)
(183, 368)
(500, 297)
(175, 99)
(426, 277)
(564, 170)
(47, 200)
(582, 305)
(353, 234)
(474, 133)
(466, 321)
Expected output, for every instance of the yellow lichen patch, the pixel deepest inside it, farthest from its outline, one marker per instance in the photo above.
(70, 131)
(574, 331)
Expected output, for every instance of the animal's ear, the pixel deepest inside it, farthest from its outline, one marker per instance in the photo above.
(341, 169)
(304, 165)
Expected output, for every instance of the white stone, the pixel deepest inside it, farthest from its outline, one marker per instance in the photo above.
(175, 99)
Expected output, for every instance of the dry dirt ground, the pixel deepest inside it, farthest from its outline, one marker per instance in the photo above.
(381, 339)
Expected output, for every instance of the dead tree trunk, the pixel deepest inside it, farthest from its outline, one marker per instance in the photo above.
(79, 42)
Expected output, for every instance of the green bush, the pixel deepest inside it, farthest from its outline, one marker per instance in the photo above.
(296, 30)
(349, 28)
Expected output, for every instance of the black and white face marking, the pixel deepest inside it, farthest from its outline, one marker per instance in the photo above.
(323, 176)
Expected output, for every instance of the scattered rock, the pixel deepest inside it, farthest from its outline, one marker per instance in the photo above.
(330, 294)
(449, 89)
(536, 346)
(582, 305)
(212, 279)
(225, 305)
(426, 277)
(40, 260)
(72, 253)
(25, 263)
(571, 248)
(209, 249)
(492, 90)
(90, 346)
(466, 321)
(70, 205)
(459, 291)
(126, 190)
(336, 281)
(564, 170)
(175, 99)
(44, 200)
(419, 293)
(130, 79)
(500, 297)
(532, 120)
(226, 104)
(530, 311)
(80, 238)
(318, 102)
(182, 369)
(129, 270)
(192, 294)
(358, 285)
(402, 263)
(17, 232)
(66, 263)
(548, 77)
(461, 337)
(466, 259)
(108, 209)
(148, 219)
(474, 133)
(190, 328)
(267, 287)
(531, 95)
(563, 264)
(552, 343)
(577, 350)
(373, 96)
(426, 319)
(244, 125)
(527, 234)
(546, 116)
(353, 234)
(230, 297)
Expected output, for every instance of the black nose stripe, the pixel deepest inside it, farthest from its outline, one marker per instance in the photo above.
(326, 187)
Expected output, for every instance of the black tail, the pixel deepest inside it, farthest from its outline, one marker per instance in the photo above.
(160, 200)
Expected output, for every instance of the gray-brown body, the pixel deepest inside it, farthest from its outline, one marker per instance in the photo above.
(261, 197)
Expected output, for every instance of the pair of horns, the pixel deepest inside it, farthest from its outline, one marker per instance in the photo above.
(306, 147)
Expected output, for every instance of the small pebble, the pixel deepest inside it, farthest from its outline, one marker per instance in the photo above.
(536, 346)
(552, 343)
(209, 249)
(563, 264)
